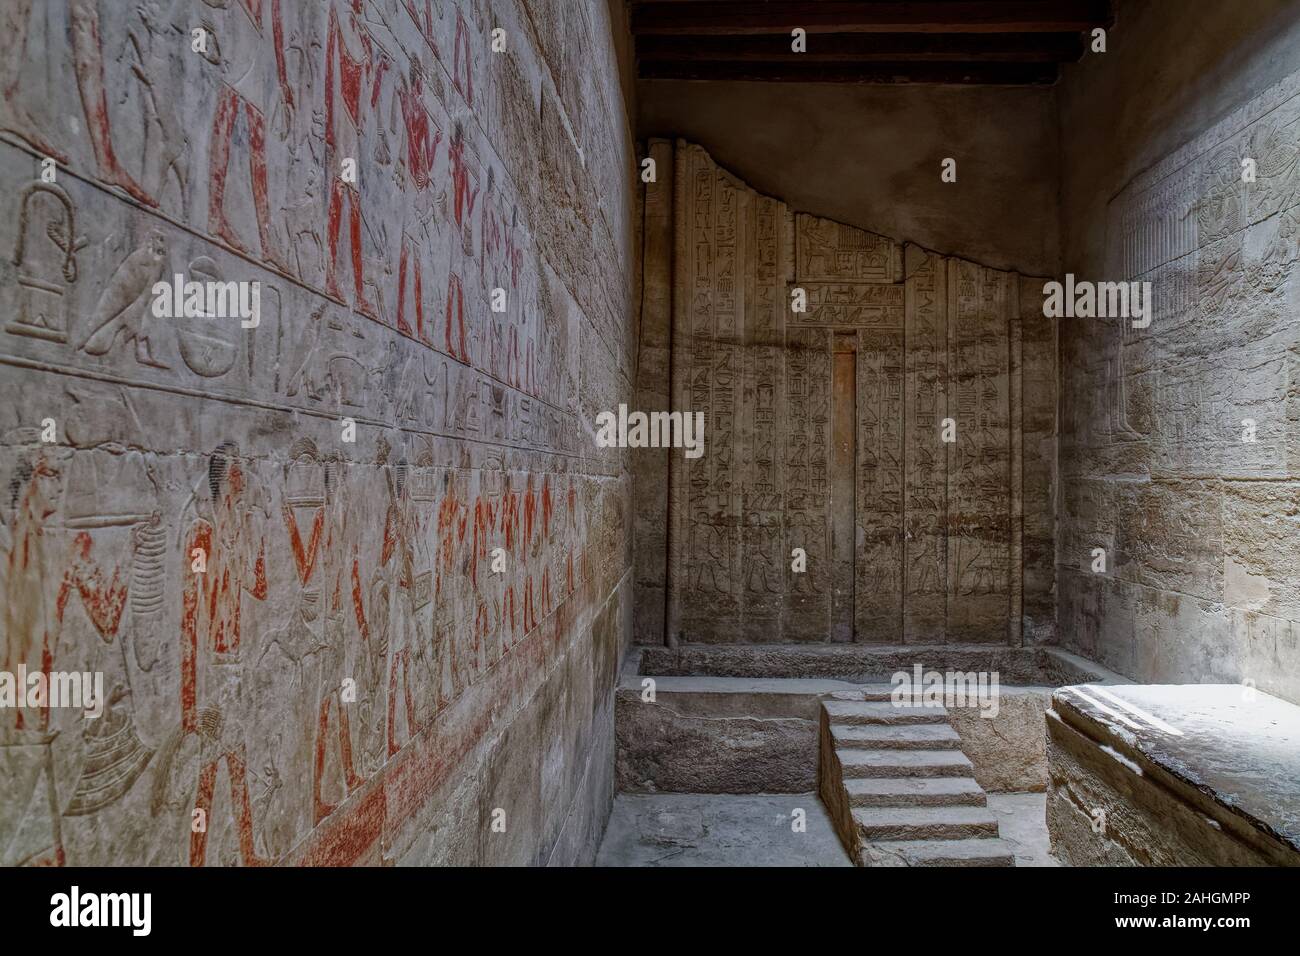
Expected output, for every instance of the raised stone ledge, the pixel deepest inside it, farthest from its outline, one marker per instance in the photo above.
(1199, 774)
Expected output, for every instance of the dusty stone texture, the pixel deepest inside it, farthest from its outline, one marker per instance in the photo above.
(1009, 751)
(653, 378)
(681, 829)
(868, 155)
(1214, 793)
(1198, 525)
(830, 787)
(716, 735)
(863, 664)
(823, 432)
(1022, 823)
(346, 680)
(662, 749)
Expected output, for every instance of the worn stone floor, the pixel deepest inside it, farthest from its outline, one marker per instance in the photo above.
(705, 829)
(695, 829)
(1022, 822)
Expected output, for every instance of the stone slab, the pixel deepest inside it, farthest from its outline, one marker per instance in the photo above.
(1216, 762)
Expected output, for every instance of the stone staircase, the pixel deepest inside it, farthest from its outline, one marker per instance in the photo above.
(898, 787)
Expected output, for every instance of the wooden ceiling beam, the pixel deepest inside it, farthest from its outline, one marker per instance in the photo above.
(877, 72)
(865, 48)
(728, 17)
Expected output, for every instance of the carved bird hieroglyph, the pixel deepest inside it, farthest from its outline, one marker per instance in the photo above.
(120, 309)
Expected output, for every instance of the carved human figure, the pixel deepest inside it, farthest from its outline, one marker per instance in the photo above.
(349, 65)
(456, 340)
(253, 67)
(32, 612)
(452, 526)
(761, 574)
(422, 139)
(15, 117)
(403, 553)
(463, 181)
(463, 62)
(230, 548)
(328, 563)
(88, 60)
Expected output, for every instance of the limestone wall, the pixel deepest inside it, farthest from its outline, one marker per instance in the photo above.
(824, 429)
(344, 677)
(1157, 466)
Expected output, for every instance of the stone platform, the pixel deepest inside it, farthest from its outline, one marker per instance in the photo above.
(1169, 775)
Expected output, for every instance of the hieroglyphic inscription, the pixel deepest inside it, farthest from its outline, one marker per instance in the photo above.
(926, 472)
(824, 429)
(764, 562)
(833, 252)
(808, 379)
(879, 566)
(856, 304)
(978, 477)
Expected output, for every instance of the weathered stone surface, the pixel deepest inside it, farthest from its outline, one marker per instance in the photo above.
(1009, 751)
(910, 805)
(1169, 775)
(688, 829)
(662, 750)
(865, 664)
(1196, 515)
(824, 432)
(717, 735)
(349, 679)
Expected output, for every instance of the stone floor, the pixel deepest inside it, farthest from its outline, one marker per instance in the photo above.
(705, 829)
(1022, 822)
(701, 829)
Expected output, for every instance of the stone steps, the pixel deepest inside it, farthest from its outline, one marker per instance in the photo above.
(980, 852)
(900, 790)
(894, 736)
(865, 692)
(904, 763)
(914, 792)
(924, 823)
(882, 712)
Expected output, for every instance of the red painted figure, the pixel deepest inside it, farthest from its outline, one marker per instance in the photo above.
(88, 59)
(349, 63)
(456, 312)
(402, 540)
(421, 11)
(463, 195)
(31, 621)
(233, 557)
(248, 64)
(422, 139)
(328, 551)
(463, 64)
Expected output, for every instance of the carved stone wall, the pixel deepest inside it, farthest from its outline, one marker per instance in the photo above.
(823, 430)
(1161, 467)
(389, 640)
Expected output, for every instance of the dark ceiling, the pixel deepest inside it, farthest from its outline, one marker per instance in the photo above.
(951, 41)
